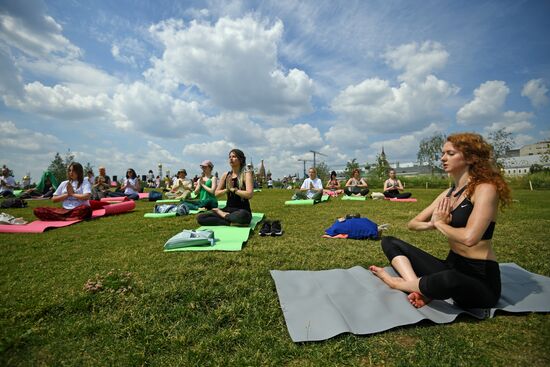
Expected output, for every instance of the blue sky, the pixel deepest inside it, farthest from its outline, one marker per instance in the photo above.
(134, 83)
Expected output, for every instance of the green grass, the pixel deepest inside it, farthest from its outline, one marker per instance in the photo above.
(221, 308)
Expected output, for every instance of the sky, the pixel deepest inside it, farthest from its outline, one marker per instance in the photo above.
(137, 83)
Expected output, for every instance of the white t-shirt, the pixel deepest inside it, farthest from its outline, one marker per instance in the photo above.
(317, 184)
(10, 181)
(128, 190)
(71, 202)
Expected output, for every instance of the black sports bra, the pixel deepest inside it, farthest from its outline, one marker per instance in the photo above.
(462, 212)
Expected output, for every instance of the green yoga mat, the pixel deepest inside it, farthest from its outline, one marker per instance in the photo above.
(228, 238)
(359, 198)
(307, 201)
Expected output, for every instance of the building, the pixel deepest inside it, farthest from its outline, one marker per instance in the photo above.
(535, 149)
(519, 166)
(518, 161)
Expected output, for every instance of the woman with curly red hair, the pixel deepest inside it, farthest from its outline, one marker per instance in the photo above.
(466, 215)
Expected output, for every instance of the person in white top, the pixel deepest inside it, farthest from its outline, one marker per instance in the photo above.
(312, 187)
(131, 185)
(74, 193)
(7, 183)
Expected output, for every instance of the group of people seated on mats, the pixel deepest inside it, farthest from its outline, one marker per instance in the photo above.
(312, 187)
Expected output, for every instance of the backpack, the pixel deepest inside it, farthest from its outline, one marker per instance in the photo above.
(180, 209)
(355, 228)
(155, 195)
(13, 203)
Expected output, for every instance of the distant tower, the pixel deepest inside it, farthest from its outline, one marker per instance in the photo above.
(261, 174)
(383, 155)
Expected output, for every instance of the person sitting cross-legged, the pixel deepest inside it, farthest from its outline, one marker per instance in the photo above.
(393, 186)
(238, 185)
(356, 185)
(312, 187)
(74, 193)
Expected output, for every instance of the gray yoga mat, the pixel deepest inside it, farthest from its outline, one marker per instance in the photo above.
(319, 305)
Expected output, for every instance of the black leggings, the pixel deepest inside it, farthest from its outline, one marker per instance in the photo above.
(236, 216)
(471, 283)
(362, 192)
(396, 194)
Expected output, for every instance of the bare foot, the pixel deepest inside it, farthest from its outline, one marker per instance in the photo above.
(418, 300)
(385, 277)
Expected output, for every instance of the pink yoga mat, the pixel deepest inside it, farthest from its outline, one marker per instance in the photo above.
(143, 195)
(117, 208)
(39, 226)
(409, 200)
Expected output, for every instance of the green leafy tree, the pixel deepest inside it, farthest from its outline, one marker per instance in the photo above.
(429, 150)
(502, 141)
(323, 171)
(381, 167)
(58, 168)
(350, 166)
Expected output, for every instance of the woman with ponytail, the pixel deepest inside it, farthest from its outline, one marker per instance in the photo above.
(238, 185)
(466, 215)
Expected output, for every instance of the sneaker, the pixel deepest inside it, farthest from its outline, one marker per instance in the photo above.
(266, 229)
(276, 229)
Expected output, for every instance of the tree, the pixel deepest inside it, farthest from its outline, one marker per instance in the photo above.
(429, 150)
(381, 167)
(350, 166)
(502, 141)
(69, 158)
(58, 168)
(323, 171)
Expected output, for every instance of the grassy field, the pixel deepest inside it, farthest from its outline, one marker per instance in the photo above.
(217, 308)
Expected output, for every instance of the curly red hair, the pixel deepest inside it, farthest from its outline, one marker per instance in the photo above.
(483, 168)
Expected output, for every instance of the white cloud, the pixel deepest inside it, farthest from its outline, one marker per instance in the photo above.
(376, 106)
(215, 149)
(234, 62)
(299, 137)
(15, 139)
(535, 90)
(237, 128)
(487, 104)
(129, 51)
(156, 152)
(77, 75)
(404, 147)
(346, 135)
(138, 106)
(512, 122)
(523, 139)
(418, 61)
(25, 27)
(60, 102)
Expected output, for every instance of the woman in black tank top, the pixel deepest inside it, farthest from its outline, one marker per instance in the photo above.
(237, 184)
(470, 274)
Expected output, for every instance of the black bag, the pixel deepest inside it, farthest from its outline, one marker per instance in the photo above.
(155, 195)
(13, 203)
